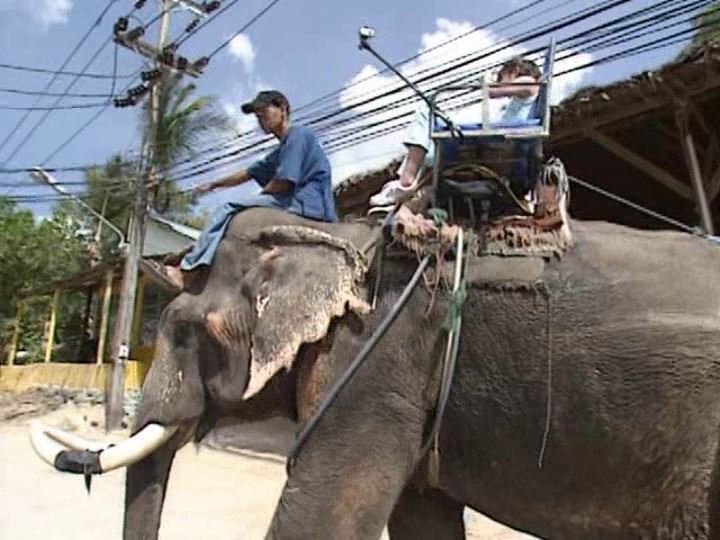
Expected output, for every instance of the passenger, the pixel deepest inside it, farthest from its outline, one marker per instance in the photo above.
(419, 143)
(295, 177)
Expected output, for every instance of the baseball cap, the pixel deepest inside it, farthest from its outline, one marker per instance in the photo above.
(265, 98)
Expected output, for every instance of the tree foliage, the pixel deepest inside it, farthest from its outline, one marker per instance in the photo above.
(184, 122)
(35, 254)
(707, 28)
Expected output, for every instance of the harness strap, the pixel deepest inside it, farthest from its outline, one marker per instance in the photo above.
(449, 362)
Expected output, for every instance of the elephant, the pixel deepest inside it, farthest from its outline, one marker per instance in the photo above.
(584, 405)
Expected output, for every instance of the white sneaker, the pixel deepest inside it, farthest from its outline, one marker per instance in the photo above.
(388, 195)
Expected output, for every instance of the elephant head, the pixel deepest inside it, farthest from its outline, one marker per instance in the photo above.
(275, 285)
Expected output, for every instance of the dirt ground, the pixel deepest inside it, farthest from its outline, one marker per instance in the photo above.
(226, 489)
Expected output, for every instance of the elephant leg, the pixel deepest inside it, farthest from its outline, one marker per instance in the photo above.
(430, 515)
(145, 487)
(351, 472)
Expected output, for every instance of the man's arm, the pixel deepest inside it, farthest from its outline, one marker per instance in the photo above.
(235, 179)
(522, 87)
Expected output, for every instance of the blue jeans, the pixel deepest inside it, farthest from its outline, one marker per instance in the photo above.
(251, 196)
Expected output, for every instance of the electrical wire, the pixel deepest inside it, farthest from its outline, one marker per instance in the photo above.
(657, 43)
(243, 28)
(64, 73)
(72, 54)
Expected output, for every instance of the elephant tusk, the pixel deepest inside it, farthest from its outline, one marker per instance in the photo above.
(73, 442)
(45, 447)
(79, 456)
(137, 447)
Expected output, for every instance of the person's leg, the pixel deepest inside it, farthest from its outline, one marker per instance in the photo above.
(204, 250)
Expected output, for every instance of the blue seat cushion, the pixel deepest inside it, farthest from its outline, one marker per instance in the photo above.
(506, 124)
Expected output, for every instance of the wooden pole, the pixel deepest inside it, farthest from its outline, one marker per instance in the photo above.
(16, 333)
(104, 317)
(138, 319)
(123, 322)
(693, 165)
(51, 325)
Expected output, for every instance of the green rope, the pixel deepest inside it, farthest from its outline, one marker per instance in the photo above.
(454, 312)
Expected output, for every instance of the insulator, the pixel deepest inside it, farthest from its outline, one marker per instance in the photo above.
(192, 26)
(135, 33)
(139, 4)
(209, 7)
(138, 91)
(151, 75)
(201, 63)
(120, 25)
(181, 63)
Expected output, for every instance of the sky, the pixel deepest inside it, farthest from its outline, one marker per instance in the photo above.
(305, 48)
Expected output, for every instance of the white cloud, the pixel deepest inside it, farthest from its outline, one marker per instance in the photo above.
(242, 49)
(44, 12)
(374, 153)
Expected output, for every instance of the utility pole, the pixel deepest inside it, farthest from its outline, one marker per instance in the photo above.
(136, 232)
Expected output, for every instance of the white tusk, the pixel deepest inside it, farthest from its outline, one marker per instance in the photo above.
(44, 446)
(50, 442)
(132, 450)
(74, 442)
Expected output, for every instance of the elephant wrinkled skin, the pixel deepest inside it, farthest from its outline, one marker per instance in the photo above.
(613, 362)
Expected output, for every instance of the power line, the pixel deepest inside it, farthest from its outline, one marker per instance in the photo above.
(92, 119)
(64, 73)
(336, 144)
(56, 75)
(20, 92)
(183, 39)
(315, 102)
(243, 28)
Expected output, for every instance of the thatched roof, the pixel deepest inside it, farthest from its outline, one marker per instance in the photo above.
(696, 76)
(354, 192)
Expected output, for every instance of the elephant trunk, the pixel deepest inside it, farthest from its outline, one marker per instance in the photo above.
(145, 488)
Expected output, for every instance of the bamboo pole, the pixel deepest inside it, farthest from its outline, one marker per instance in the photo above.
(51, 325)
(16, 333)
(104, 317)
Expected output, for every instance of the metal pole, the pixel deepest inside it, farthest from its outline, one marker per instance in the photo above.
(124, 320)
(693, 166)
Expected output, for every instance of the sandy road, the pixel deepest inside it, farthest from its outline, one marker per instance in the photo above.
(213, 494)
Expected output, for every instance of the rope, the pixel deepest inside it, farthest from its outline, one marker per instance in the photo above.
(657, 215)
(454, 324)
(548, 404)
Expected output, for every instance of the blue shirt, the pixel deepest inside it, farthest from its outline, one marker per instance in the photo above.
(300, 160)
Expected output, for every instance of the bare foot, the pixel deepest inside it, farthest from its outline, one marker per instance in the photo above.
(176, 276)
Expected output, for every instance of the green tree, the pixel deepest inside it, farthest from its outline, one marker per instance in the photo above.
(707, 28)
(33, 255)
(109, 190)
(184, 122)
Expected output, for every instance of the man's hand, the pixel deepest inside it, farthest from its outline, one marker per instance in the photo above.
(202, 189)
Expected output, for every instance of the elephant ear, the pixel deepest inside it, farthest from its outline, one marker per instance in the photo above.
(304, 280)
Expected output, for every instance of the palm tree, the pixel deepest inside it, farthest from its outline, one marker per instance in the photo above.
(183, 122)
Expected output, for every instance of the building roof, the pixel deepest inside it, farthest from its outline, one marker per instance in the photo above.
(695, 76)
(162, 236)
